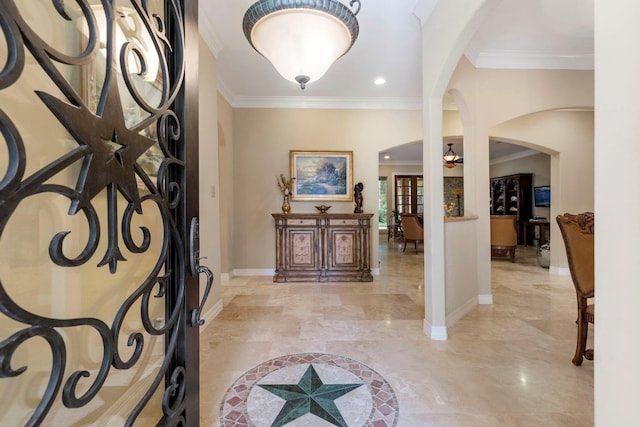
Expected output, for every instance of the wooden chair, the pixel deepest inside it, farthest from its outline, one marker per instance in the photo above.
(577, 233)
(504, 236)
(413, 231)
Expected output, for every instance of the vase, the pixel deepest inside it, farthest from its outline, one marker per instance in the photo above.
(286, 207)
(544, 254)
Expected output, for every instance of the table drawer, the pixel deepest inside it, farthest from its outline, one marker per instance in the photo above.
(337, 221)
(298, 221)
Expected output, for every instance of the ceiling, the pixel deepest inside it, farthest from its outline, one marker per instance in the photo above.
(411, 153)
(532, 34)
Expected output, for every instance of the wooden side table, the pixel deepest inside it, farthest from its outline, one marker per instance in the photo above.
(543, 226)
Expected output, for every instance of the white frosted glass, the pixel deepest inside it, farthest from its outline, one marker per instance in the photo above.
(300, 43)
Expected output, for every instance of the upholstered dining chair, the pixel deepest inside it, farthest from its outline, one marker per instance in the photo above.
(504, 236)
(413, 231)
(577, 233)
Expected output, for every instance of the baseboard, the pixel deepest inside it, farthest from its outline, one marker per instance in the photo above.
(485, 299)
(375, 271)
(253, 272)
(559, 271)
(211, 314)
(226, 276)
(463, 310)
(436, 333)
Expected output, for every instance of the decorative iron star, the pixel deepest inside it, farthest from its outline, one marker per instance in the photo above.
(310, 395)
(112, 148)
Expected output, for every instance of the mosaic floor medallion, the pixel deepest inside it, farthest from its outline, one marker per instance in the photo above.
(310, 390)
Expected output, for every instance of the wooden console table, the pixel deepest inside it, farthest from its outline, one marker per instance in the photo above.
(543, 226)
(322, 247)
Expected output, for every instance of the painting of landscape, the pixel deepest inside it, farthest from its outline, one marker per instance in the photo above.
(322, 175)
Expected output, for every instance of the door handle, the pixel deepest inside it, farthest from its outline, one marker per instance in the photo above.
(197, 269)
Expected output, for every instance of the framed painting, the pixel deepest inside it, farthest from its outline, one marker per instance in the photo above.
(322, 175)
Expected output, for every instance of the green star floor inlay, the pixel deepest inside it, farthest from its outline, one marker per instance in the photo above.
(310, 390)
(310, 395)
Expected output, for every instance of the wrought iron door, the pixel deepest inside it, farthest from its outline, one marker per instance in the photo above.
(99, 303)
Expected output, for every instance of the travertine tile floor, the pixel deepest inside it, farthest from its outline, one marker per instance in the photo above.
(508, 364)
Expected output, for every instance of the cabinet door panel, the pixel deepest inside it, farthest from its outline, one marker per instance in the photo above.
(303, 253)
(344, 249)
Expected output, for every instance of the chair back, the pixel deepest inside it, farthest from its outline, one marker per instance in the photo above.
(577, 233)
(412, 228)
(503, 230)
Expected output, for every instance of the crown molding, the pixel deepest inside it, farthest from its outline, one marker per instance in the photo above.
(540, 60)
(423, 9)
(515, 156)
(224, 90)
(324, 102)
(211, 39)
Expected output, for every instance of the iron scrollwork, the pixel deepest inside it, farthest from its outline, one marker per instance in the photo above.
(104, 169)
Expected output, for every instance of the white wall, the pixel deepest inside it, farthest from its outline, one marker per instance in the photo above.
(617, 205)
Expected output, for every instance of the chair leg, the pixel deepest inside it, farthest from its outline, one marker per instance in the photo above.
(415, 245)
(512, 252)
(405, 245)
(583, 330)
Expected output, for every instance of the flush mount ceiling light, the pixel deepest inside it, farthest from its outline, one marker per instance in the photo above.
(301, 38)
(450, 157)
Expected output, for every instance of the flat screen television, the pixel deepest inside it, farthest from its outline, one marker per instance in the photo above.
(542, 196)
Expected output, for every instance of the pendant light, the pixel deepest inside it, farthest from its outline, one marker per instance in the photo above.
(301, 38)
(450, 157)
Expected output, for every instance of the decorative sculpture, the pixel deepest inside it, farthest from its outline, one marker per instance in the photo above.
(357, 191)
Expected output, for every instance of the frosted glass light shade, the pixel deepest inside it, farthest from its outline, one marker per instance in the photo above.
(450, 155)
(300, 38)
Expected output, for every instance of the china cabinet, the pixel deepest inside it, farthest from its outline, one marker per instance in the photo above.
(512, 195)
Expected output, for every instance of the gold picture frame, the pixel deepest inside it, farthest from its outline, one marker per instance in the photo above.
(322, 175)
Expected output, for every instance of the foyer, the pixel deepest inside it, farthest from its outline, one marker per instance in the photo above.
(507, 364)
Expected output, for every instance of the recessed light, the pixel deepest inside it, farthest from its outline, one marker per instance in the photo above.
(386, 156)
(379, 81)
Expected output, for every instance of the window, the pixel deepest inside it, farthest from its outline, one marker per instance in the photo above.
(409, 194)
(382, 202)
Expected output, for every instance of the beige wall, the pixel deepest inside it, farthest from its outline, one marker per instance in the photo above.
(209, 182)
(226, 193)
(461, 291)
(485, 98)
(262, 139)
(517, 104)
(568, 136)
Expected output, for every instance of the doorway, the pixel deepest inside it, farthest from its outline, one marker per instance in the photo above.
(98, 284)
